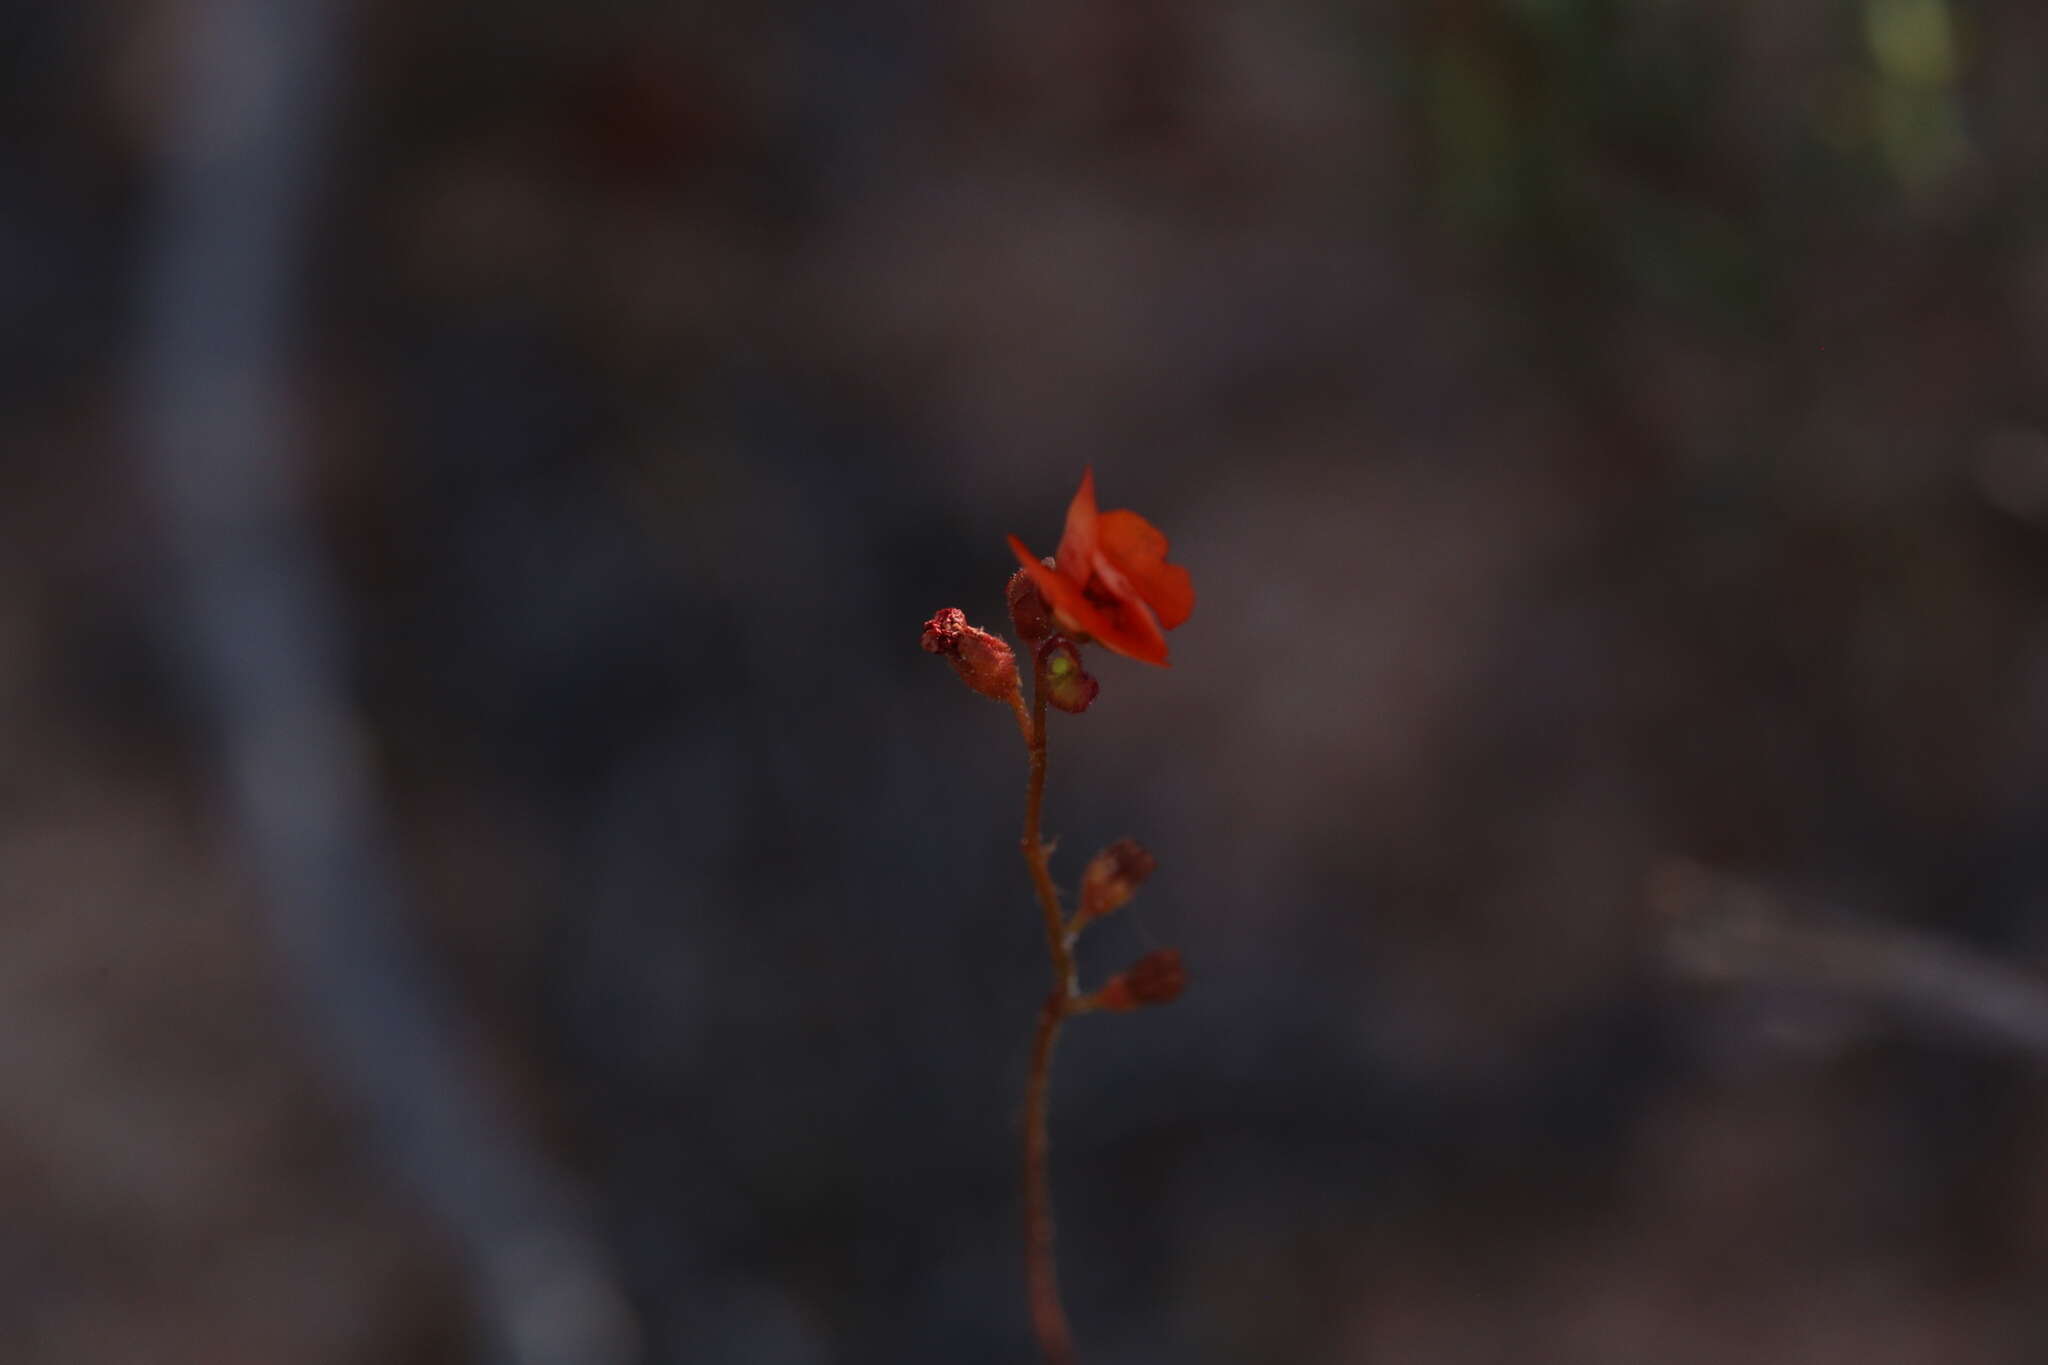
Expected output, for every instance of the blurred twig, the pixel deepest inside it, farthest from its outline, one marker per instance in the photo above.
(1721, 929)
(257, 617)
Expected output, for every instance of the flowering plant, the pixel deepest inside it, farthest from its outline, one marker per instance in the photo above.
(1110, 584)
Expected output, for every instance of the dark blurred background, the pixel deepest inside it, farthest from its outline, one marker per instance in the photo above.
(1605, 436)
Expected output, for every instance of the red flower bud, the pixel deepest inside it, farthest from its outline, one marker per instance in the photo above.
(1154, 979)
(1067, 685)
(1112, 877)
(1028, 611)
(983, 661)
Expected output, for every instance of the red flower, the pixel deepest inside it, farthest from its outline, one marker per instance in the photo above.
(1110, 579)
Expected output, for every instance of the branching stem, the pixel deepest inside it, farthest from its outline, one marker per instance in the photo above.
(1048, 1315)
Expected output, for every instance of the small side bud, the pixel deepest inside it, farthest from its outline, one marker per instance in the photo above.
(983, 661)
(1028, 611)
(1154, 979)
(1068, 686)
(1111, 878)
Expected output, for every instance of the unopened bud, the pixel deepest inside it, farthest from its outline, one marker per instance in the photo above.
(1028, 612)
(1111, 878)
(983, 661)
(1154, 979)
(1068, 686)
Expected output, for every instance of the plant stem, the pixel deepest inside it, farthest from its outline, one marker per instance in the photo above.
(1048, 1316)
(1056, 948)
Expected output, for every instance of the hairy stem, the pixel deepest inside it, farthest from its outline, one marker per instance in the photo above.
(1035, 851)
(1048, 1316)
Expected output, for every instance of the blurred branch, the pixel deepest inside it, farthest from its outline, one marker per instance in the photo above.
(1720, 929)
(259, 623)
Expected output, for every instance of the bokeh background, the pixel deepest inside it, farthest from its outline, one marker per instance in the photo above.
(1606, 437)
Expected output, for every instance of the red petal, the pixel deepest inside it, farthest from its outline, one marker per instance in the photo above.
(1128, 628)
(1077, 541)
(1138, 549)
(1123, 625)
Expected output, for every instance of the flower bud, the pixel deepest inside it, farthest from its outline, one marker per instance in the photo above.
(983, 661)
(1068, 686)
(1154, 979)
(1112, 877)
(1028, 611)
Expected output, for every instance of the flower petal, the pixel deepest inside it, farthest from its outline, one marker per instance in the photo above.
(1138, 549)
(1124, 625)
(1077, 541)
(1119, 618)
(1128, 627)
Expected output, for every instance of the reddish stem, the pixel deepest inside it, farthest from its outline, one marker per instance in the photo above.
(1048, 1316)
